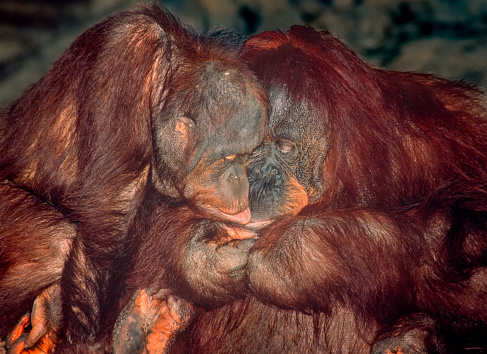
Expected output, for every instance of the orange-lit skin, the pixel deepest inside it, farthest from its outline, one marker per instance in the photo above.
(44, 322)
(16, 341)
(155, 319)
(42, 336)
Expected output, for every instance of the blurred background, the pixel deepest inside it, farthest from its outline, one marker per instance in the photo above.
(445, 37)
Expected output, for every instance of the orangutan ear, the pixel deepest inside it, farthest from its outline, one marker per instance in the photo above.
(183, 125)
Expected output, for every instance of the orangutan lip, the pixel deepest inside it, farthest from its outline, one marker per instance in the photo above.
(241, 218)
(256, 225)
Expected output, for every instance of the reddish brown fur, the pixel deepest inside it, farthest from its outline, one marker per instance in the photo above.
(80, 150)
(395, 166)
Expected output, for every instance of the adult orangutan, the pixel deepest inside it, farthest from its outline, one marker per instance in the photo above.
(138, 111)
(376, 186)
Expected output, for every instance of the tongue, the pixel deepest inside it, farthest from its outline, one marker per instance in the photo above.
(240, 218)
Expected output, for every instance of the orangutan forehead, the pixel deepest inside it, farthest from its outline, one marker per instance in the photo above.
(295, 120)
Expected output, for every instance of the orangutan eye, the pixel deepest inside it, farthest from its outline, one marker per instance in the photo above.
(285, 146)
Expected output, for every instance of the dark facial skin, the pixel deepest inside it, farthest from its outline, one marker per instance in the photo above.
(283, 170)
(213, 130)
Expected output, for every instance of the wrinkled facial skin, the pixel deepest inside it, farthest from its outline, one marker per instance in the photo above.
(284, 170)
(274, 189)
(204, 138)
(221, 191)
